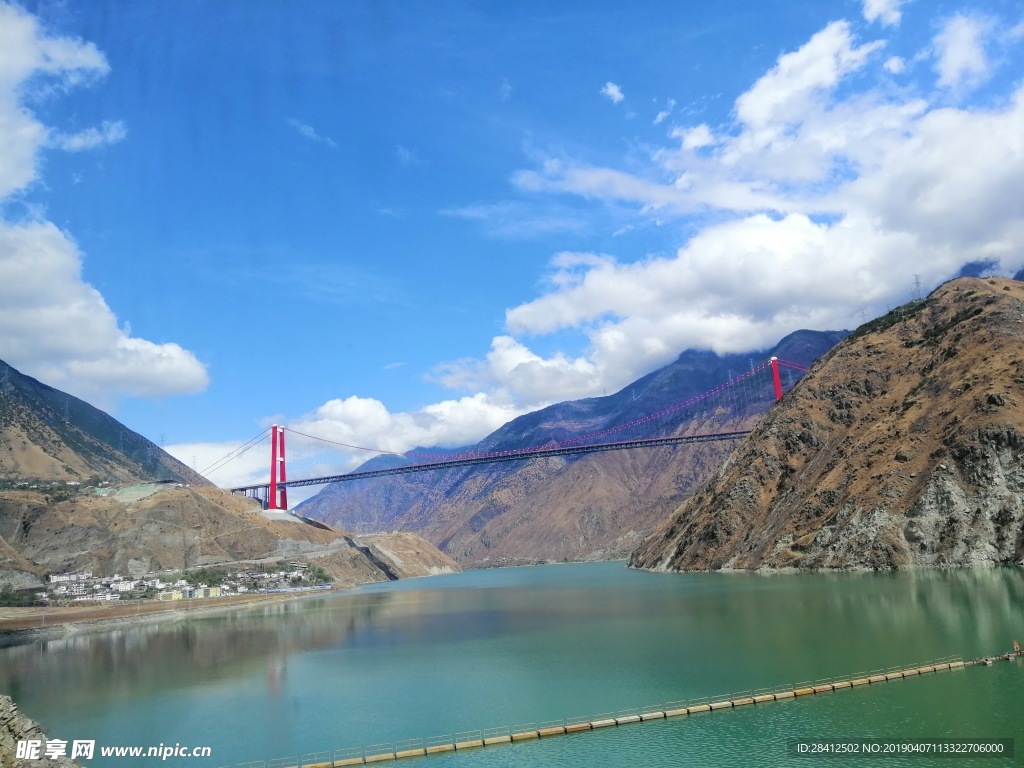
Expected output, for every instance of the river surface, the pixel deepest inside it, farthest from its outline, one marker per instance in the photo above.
(504, 647)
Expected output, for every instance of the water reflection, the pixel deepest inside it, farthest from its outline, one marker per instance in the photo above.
(497, 647)
(167, 655)
(928, 612)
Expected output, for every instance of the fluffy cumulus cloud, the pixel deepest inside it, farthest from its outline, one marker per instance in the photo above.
(828, 194)
(885, 12)
(53, 324)
(613, 92)
(351, 431)
(961, 61)
(366, 422)
(26, 52)
(510, 367)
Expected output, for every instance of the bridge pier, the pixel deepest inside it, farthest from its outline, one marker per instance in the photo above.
(259, 492)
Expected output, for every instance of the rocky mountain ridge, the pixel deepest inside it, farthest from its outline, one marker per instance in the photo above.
(902, 447)
(49, 435)
(588, 506)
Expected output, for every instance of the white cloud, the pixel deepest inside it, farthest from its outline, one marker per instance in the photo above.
(695, 138)
(367, 422)
(886, 12)
(613, 92)
(406, 156)
(895, 65)
(955, 180)
(54, 325)
(58, 328)
(344, 426)
(351, 421)
(31, 63)
(786, 94)
(248, 468)
(107, 133)
(960, 51)
(829, 193)
(510, 367)
(309, 133)
(663, 114)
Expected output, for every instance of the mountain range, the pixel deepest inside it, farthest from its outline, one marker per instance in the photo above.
(580, 507)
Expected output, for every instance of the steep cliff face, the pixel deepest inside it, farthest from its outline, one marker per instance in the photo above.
(902, 447)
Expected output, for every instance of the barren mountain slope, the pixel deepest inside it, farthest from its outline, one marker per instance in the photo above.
(171, 528)
(52, 520)
(174, 528)
(49, 435)
(901, 447)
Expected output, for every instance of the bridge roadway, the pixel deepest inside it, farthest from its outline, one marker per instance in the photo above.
(491, 458)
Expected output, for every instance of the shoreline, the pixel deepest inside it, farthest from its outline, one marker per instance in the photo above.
(29, 624)
(19, 625)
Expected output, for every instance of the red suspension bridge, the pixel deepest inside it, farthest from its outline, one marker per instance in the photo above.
(749, 392)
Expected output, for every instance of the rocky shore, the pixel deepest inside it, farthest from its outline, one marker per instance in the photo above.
(15, 726)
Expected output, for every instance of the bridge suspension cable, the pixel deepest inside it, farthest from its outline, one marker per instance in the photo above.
(798, 366)
(345, 445)
(559, 443)
(232, 455)
(733, 401)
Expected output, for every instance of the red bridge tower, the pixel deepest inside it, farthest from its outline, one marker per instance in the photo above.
(278, 496)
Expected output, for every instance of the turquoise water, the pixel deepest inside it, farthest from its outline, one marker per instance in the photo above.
(512, 646)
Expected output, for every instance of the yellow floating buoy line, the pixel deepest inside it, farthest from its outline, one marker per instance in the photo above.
(488, 737)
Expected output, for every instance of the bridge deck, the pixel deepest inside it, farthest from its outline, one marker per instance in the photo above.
(492, 458)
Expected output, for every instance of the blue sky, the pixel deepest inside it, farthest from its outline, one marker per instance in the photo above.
(398, 224)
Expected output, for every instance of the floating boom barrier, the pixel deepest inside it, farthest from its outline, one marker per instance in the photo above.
(492, 737)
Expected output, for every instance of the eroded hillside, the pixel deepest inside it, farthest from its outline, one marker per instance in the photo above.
(154, 528)
(901, 447)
